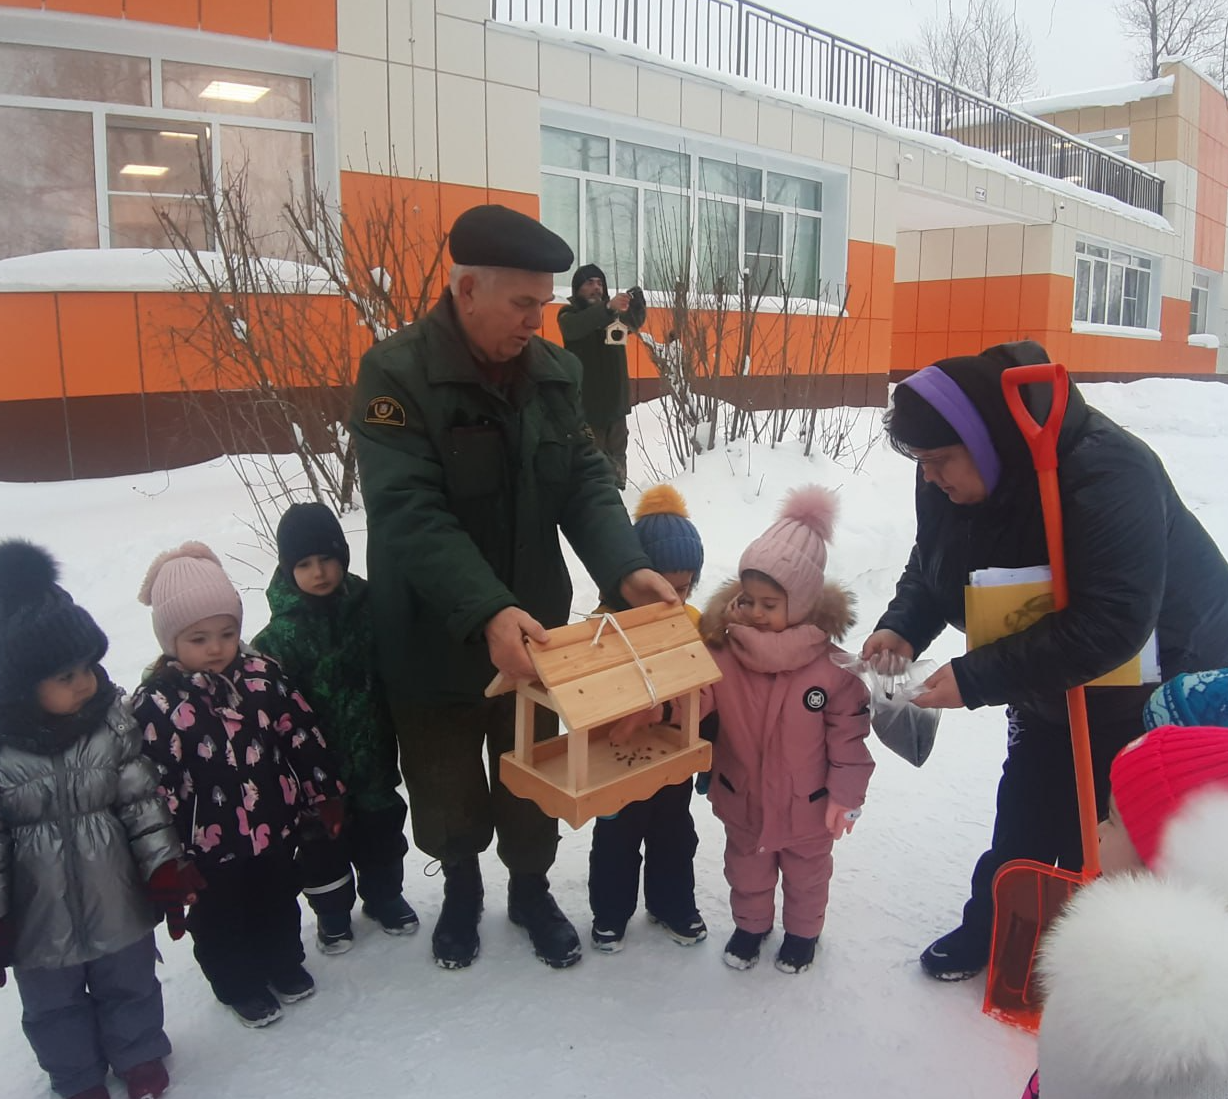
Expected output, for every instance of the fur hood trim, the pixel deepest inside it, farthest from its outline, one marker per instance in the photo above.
(1192, 850)
(1136, 972)
(834, 614)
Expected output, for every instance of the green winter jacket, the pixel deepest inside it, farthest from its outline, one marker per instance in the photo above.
(606, 388)
(327, 649)
(467, 485)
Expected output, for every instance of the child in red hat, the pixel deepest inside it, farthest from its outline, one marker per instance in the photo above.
(1136, 968)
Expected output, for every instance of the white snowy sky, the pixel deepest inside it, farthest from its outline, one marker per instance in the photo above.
(1078, 43)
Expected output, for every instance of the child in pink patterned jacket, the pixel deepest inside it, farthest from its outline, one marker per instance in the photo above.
(790, 766)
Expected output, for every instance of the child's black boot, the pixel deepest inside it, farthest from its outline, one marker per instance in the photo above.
(796, 955)
(742, 949)
(394, 914)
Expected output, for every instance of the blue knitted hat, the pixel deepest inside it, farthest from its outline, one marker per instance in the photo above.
(666, 532)
(1196, 698)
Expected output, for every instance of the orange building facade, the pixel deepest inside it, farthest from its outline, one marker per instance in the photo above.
(882, 247)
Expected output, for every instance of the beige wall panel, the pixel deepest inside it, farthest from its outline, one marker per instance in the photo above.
(865, 150)
(937, 248)
(807, 138)
(614, 85)
(511, 59)
(360, 28)
(362, 114)
(460, 47)
(513, 150)
(837, 143)
(1004, 252)
(660, 97)
(969, 246)
(411, 32)
(701, 107)
(907, 257)
(886, 207)
(563, 73)
(775, 127)
(462, 129)
(739, 117)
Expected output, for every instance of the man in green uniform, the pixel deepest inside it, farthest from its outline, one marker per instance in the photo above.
(606, 388)
(474, 454)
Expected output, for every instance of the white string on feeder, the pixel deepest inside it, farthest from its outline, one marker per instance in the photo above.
(609, 619)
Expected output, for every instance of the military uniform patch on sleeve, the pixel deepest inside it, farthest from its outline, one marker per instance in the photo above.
(385, 410)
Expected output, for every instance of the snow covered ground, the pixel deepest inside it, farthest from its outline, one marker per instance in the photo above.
(656, 1019)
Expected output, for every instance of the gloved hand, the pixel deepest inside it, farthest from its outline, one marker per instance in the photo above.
(7, 937)
(172, 885)
(332, 816)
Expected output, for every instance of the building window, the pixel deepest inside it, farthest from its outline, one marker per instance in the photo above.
(1113, 141)
(100, 146)
(1112, 287)
(1200, 303)
(653, 216)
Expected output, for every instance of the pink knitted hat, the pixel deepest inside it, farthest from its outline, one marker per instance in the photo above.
(793, 550)
(1154, 776)
(184, 586)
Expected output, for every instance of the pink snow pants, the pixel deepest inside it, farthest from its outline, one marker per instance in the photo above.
(806, 872)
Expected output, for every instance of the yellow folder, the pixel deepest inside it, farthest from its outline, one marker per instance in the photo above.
(998, 610)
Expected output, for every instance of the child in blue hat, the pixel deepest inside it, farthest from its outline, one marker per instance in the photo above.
(662, 824)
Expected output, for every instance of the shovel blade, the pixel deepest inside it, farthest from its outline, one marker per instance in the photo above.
(1027, 896)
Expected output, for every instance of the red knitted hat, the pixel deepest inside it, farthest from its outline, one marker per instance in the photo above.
(1155, 775)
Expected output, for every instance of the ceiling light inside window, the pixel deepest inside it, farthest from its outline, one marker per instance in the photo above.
(1120, 137)
(150, 170)
(178, 134)
(234, 93)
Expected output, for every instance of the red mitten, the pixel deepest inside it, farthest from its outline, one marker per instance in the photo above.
(171, 886)
(332, 816)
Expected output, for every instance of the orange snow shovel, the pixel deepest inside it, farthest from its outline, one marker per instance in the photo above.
(1028, 895)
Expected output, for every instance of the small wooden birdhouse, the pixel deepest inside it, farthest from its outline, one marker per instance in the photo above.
(591, 674)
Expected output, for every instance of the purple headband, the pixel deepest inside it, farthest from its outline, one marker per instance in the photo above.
(943, 393)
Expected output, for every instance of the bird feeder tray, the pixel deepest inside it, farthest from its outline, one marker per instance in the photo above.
(591, 674)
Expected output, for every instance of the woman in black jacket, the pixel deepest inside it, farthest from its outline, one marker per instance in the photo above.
(1137, 561)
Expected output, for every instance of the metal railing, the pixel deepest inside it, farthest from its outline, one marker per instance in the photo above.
(745, 39)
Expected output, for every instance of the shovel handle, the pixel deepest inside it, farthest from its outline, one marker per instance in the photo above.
(1042, 442)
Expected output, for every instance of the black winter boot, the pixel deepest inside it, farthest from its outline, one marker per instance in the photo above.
(796, 954)
(530, 905)
(455, 941)
(958, 956)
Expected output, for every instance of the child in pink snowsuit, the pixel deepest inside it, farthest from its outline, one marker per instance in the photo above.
(790, 766)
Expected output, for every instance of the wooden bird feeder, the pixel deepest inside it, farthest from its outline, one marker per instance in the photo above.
(591, 674)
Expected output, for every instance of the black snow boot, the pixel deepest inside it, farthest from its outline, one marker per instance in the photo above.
(530, 905)
(958, 956)
(796, 954)
(455, 940)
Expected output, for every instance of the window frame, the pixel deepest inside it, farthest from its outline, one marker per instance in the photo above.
(1210, 291)
(832, 218)
(159, 44)
(1116, 258)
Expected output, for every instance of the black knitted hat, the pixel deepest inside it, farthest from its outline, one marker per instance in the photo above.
(308, 529)
(42, 631)
(495, 236)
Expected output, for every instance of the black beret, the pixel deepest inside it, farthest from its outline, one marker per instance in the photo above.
(495, 236)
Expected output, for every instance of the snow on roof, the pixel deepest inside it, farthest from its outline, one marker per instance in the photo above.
(133, 269)
(1117, 95)
(936, 144)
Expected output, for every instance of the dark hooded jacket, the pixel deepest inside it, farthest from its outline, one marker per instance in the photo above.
(326, 645)
(1137, 560)
(606, 388)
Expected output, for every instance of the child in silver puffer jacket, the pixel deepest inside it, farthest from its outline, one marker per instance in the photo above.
(89, 858)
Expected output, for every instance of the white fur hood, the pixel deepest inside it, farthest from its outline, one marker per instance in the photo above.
(1136, 973)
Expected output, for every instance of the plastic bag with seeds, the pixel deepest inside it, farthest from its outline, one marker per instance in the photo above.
(893, 683)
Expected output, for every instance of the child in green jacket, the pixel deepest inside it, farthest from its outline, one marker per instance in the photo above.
(321, 633)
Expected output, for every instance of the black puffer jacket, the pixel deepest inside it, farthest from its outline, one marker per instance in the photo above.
(1137, 559)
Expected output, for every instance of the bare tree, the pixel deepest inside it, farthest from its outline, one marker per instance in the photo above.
(268, 351)
(981, 46)
(1195, 30)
